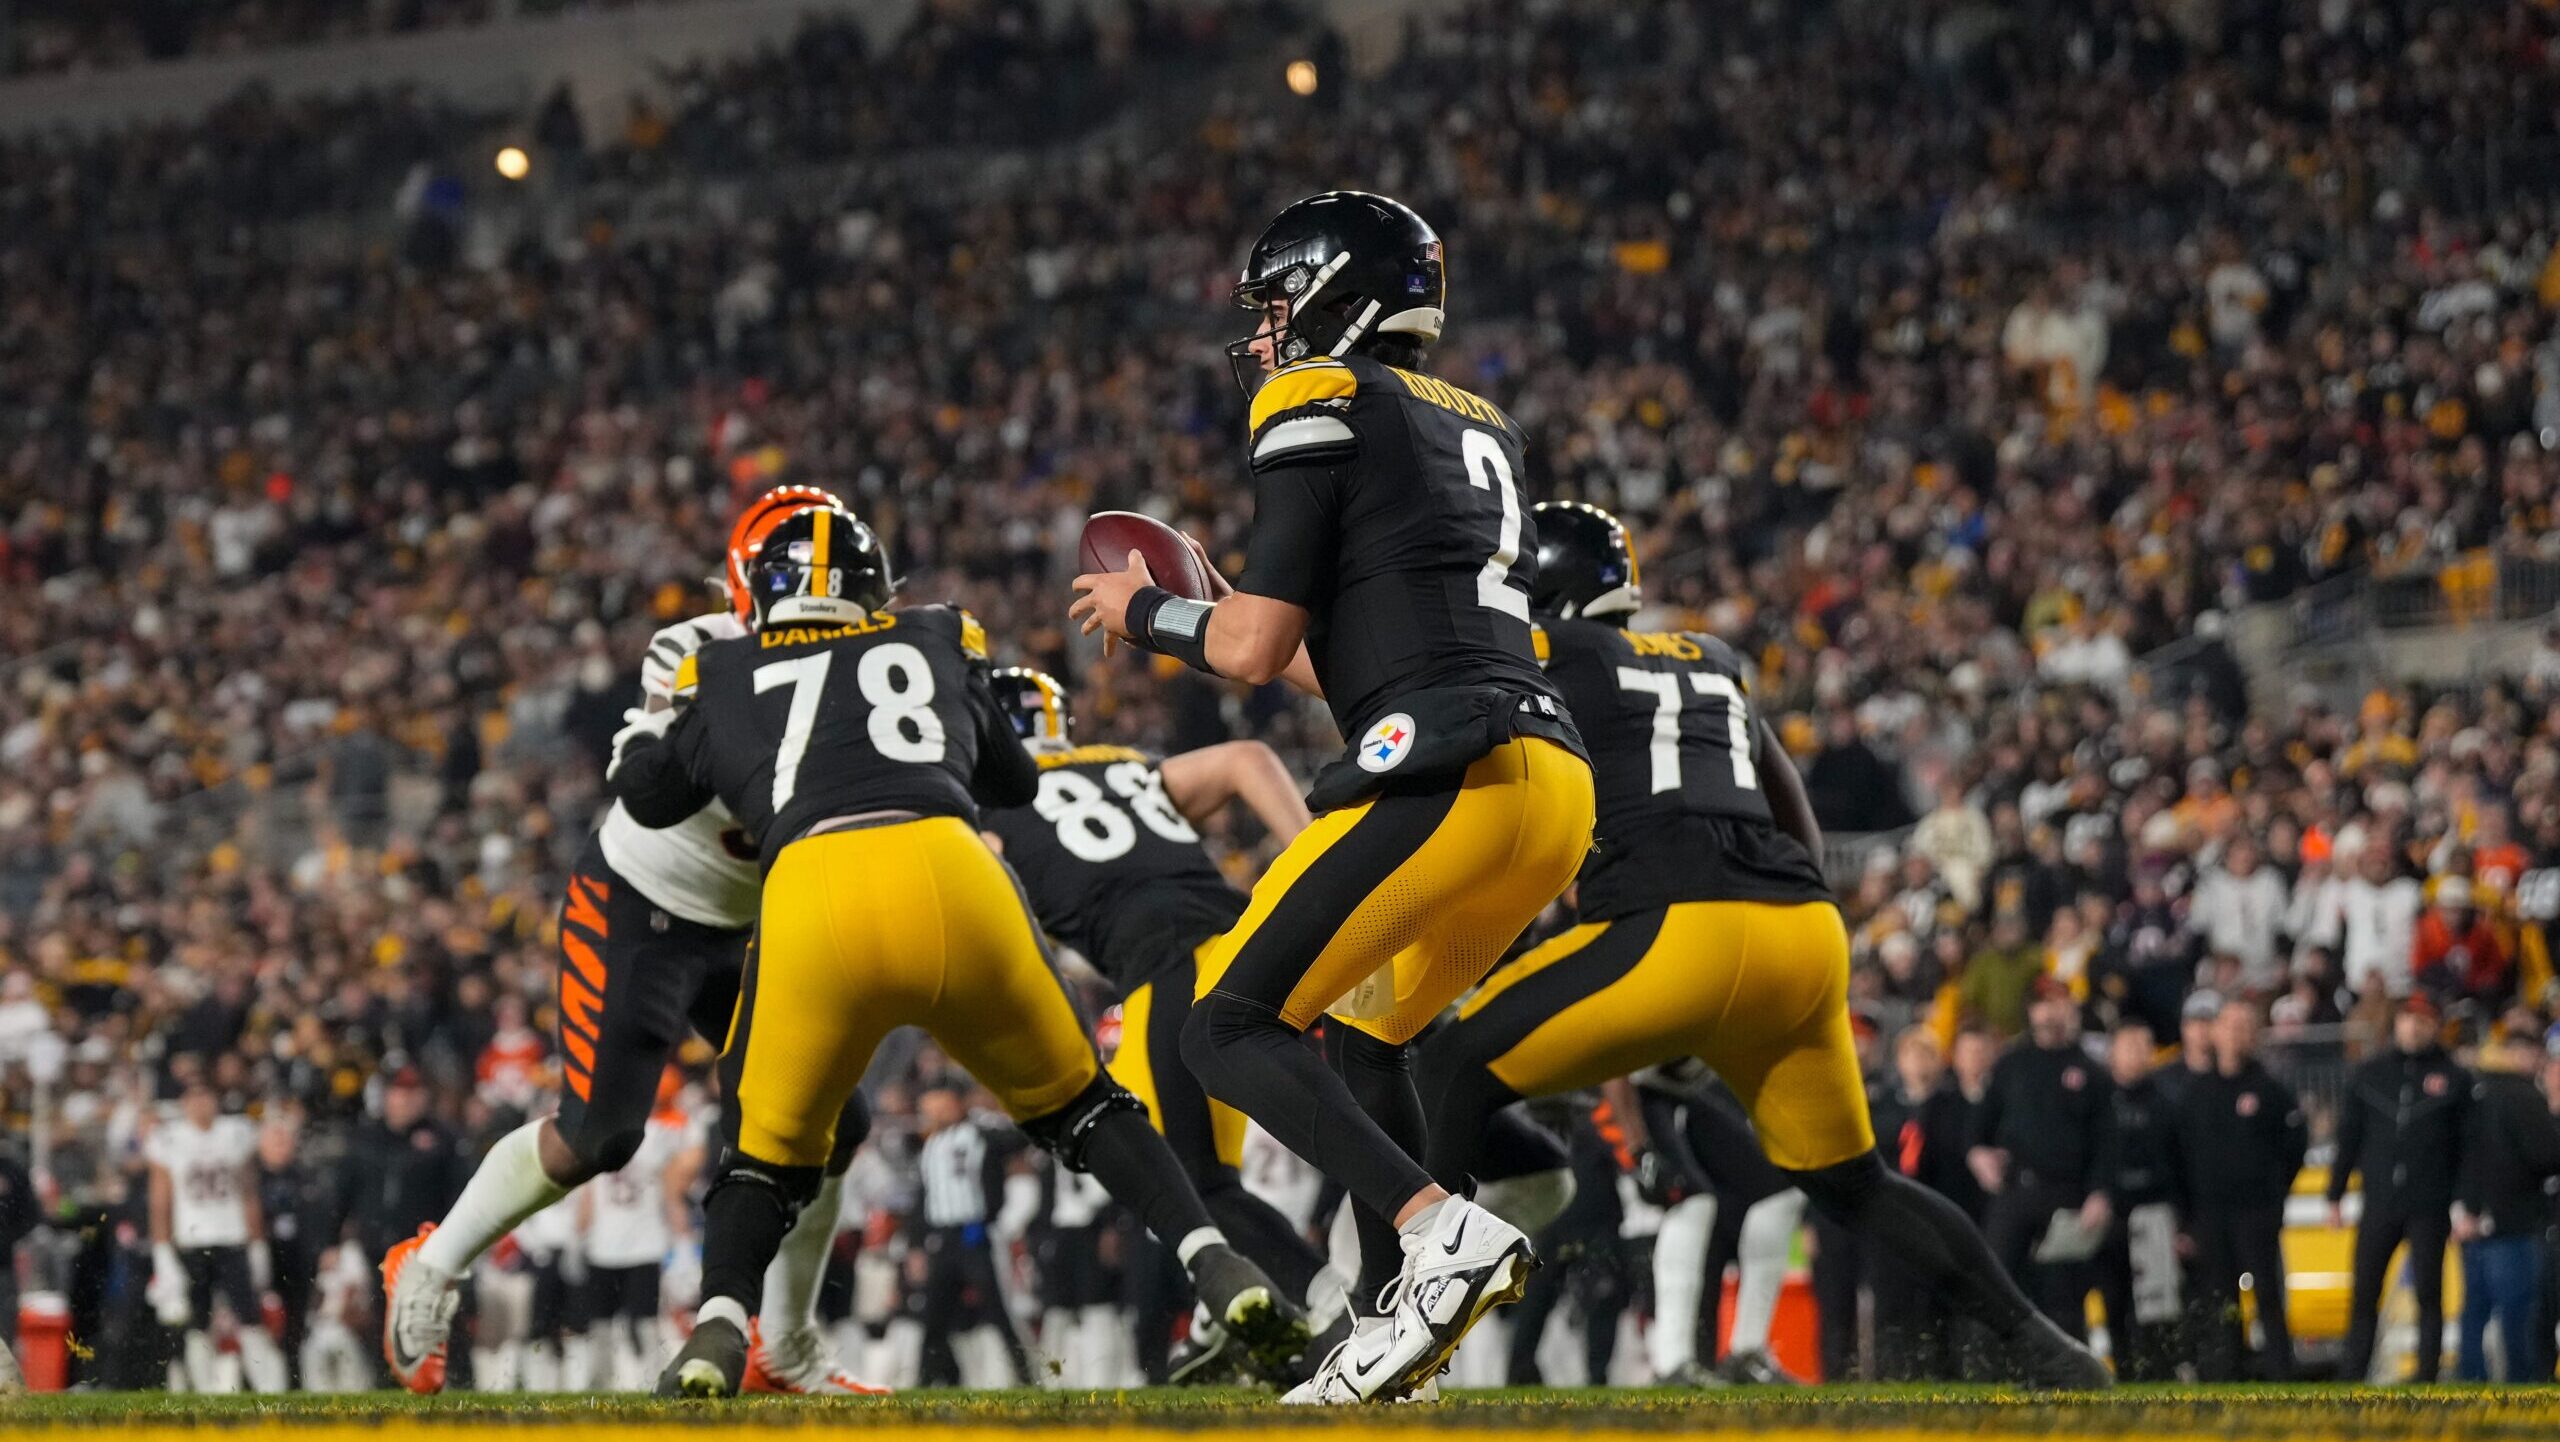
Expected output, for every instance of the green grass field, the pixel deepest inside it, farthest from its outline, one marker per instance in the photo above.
(2151, 1413)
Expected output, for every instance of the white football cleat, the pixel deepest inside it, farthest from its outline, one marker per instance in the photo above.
(797, 1363)
(1466, 1264)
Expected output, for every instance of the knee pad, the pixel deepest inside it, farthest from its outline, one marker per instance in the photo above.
(1064, 1132)
(1218, 1021)
(1843, 1188)
(791, 1188)
(853, 1128)
(610, 1152)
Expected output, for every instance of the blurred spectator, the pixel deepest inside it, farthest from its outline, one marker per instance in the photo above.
(2239, 911)
(2510, 1154)
(1956, 837)
(1853, 789)
(2401, 1127)
(2375, 921)
(2456, 956)
(1997, 978)
(2252, 1129)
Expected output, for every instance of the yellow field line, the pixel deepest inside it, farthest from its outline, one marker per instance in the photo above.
(1346, 1430)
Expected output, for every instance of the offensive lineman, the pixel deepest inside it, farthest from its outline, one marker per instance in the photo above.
(1388, 571)
(854, 743)
(1706, 929)
(1112, 866)
(208, 1237)
(653, 938)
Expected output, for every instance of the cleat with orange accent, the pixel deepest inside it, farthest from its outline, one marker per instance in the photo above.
(797, 1365)
(418, 1303)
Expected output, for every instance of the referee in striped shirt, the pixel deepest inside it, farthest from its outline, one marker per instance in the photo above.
(960, 1294)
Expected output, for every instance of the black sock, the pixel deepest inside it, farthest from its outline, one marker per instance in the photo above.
(1139, 1171)
(744, 1218)
(1265, 1237)
(1247, 1057)
(1464, 1113)
(1380, 1076)
(1922, 1233)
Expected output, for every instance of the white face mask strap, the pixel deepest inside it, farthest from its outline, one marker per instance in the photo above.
(1324, 273)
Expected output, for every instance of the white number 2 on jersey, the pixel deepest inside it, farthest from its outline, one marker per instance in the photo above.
(895, 679)
(1664, 688)
(1489, 470)
(1091, 827)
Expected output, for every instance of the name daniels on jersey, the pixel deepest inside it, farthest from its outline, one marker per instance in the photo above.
(1082, 754)
(812, 635)
(1449, 398)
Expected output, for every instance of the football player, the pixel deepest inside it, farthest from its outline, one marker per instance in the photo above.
(854, 743)
(1388, 571)
(208, 1237)
(1112, 866)
(653, 938)
(1706, 929)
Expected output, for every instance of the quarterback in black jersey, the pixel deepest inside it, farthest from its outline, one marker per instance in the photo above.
(1388, 571)
(854, 743)
(1706, 930)
(1113, 867)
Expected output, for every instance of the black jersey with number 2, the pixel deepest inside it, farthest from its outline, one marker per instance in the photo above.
(1388, 504)
(1682, 816)
(802, 722)
(1111, 868)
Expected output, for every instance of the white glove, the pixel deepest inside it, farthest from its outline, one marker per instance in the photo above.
(637, 723)
(168, 1290)
(262, 1266)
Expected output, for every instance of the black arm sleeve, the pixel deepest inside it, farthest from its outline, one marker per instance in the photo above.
(1289, 557)
(663, 781)
(1788, 805)
(1006, 776)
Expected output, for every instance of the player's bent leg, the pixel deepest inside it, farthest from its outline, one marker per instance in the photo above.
(787, 1350)
(1013, 1028)
(1787, 1051)
(835, 967)
(1207, 1136)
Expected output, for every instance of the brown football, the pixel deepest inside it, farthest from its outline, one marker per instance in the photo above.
(1109, 537)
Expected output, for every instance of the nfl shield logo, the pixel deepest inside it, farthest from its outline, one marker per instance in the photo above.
(1387, 743)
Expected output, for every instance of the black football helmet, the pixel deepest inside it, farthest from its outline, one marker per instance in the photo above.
(1352, 267)
(819, 564)
(1035, 703)
(1586, 567)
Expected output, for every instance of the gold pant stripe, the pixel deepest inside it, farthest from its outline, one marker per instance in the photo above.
(866, 931)
(1757, 990)
(1434, 914)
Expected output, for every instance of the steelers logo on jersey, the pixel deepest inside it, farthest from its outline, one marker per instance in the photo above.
(1387, 743)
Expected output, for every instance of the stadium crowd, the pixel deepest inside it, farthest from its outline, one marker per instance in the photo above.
(1950, 374)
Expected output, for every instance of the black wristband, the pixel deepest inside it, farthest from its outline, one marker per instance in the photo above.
(1169, 625)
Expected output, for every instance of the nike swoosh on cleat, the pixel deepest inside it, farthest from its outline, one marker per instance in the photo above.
(1451, 1246)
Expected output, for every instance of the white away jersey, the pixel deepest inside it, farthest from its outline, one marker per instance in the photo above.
(208, 1185)
(703, 868)
(627, 1220)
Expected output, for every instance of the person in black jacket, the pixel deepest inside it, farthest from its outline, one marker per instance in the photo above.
(2243, 1134)
(2138, 1263)
(2511, 1150)
(2043, 1143)
(2400, 1126)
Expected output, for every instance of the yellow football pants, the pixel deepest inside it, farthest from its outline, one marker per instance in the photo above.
(1436, 884)
(864, 931)
(1759, 991)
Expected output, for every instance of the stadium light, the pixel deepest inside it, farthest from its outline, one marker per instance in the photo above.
(513, 163)
(1302, 77)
